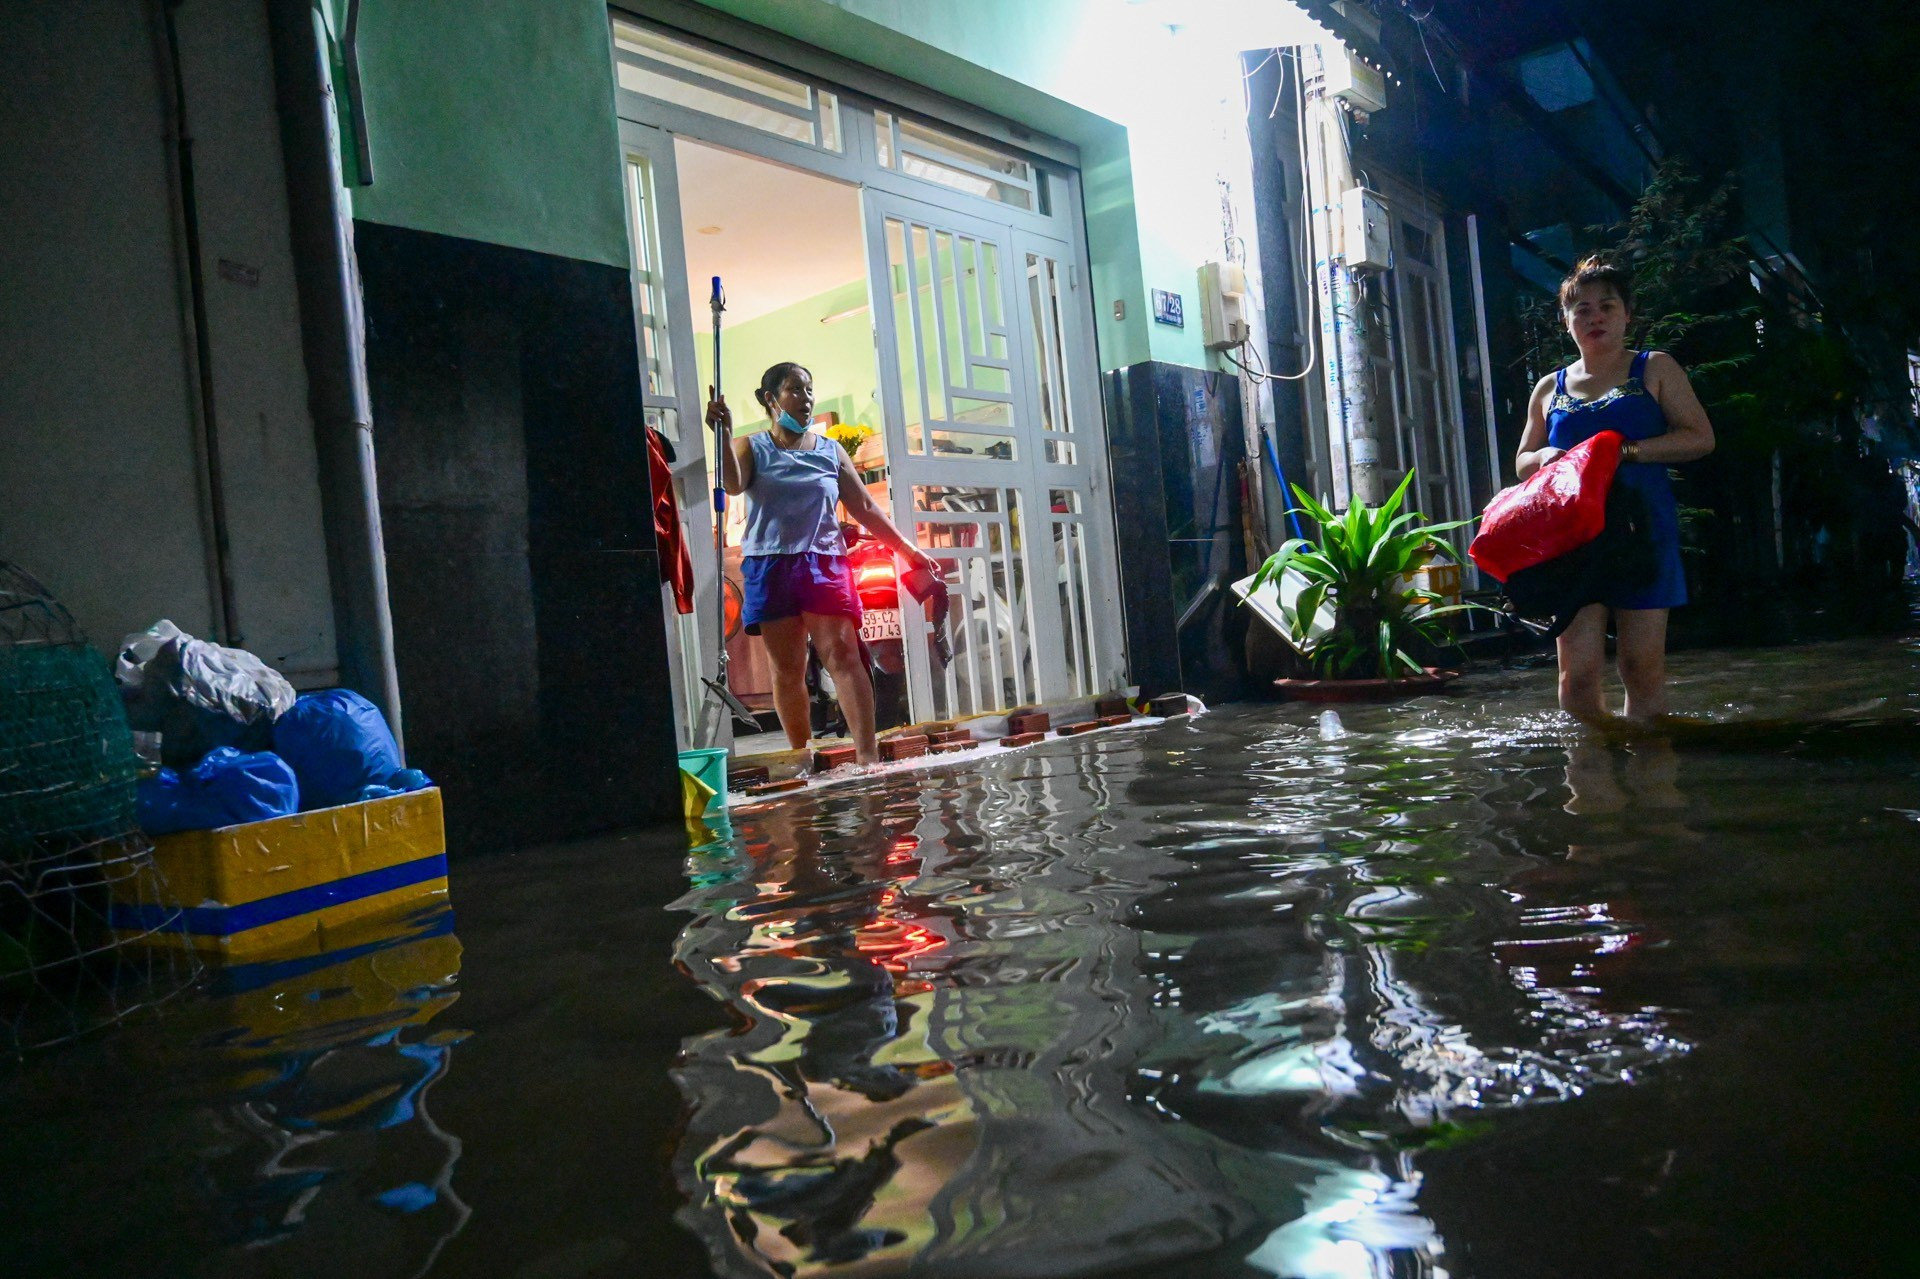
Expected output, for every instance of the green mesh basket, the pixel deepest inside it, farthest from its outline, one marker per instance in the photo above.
(67, 765)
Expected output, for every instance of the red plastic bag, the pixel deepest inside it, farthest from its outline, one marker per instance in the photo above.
(1559, 508)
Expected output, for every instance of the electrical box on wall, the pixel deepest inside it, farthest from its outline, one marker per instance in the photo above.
(1366, 234)
(1223, 305)
(1361, 84)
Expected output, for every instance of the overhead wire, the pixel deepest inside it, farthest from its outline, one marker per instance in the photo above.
(1420, 25)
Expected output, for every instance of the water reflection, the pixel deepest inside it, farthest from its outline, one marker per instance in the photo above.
(328, 1131)
(1204, 991)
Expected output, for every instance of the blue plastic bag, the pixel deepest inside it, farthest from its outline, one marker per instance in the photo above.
(407, 779)
(226, 788)
(339, 746)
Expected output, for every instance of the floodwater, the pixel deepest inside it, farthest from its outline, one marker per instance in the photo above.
(1442, 987)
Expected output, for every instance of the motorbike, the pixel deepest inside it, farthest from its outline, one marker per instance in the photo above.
(878, 582)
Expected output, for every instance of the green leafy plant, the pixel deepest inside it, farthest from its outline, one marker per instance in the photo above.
(1362, 565)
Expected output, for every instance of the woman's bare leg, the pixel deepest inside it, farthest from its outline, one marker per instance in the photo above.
(1582, 649)
(838, 645)
(1642, 644)
(786, 641)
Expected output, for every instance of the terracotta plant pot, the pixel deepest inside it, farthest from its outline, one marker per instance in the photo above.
(1431, 680)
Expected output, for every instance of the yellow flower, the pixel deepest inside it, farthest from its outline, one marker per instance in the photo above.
(850, 435)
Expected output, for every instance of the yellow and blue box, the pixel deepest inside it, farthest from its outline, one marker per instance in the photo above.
(289, 886)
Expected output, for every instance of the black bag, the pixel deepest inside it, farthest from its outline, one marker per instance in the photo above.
(1623, 559)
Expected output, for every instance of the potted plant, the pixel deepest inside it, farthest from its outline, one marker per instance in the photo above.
(1351, 603)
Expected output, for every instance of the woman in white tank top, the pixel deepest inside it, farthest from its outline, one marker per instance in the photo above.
(794, 561)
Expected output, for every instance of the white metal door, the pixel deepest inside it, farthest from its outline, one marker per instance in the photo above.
(1080, 582)
(992, 446)
(671, 395)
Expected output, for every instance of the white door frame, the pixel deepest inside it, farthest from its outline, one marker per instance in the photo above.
(1410, 205)
(648, 126)
(670, 395)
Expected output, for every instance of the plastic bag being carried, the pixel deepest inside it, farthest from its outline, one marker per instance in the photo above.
(227, 788)
(196, 694)
(1560, 507)
(341, 749)
(1622, 561)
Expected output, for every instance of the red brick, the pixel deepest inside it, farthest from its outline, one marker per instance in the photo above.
(778, 788)
(741, 777)
(950, 735)
(903, 747)
(1107, 707)
(832, 757)
(1168, 705)
(948, 748)
(1110, 721)
(1028, 722)
(1023, 739)
(1084, 726)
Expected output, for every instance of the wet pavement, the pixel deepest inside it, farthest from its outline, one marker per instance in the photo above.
(1441, 987)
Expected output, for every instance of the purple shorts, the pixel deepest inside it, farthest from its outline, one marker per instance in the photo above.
(778, 586)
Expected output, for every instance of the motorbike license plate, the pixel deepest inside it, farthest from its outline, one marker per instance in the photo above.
(880, 624)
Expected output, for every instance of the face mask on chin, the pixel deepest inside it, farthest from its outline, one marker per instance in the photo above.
(787, 424)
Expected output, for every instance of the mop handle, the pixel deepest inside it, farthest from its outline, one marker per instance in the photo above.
(719, 304)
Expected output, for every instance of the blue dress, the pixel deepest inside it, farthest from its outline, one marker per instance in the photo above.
(1631, 410)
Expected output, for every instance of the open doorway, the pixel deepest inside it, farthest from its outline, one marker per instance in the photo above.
(935, 283)
(789, 248)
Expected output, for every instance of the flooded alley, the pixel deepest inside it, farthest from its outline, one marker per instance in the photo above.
(1438, 987)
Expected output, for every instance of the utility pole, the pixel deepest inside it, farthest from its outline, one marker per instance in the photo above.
(1352, 418)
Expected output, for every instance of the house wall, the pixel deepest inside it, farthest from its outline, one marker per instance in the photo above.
(493, 120)
(102, 493)
(521, 564)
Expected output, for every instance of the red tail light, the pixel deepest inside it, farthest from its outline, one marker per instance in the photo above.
(875, 579)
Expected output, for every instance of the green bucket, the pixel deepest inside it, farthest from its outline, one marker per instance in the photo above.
(709, 768)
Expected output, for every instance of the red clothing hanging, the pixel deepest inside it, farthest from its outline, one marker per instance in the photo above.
(675, 563)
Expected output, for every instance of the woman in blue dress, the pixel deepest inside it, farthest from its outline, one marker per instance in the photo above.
(794, 559)
(1646, 397)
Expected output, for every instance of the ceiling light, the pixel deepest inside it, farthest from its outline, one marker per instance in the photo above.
(711, 230)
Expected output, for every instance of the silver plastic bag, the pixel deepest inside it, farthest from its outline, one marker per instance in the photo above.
(163, 664)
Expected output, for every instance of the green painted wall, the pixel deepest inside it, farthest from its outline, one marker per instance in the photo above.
(839, 355)
(494, 120)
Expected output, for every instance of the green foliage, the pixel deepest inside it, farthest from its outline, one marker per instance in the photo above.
(1362, 564)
